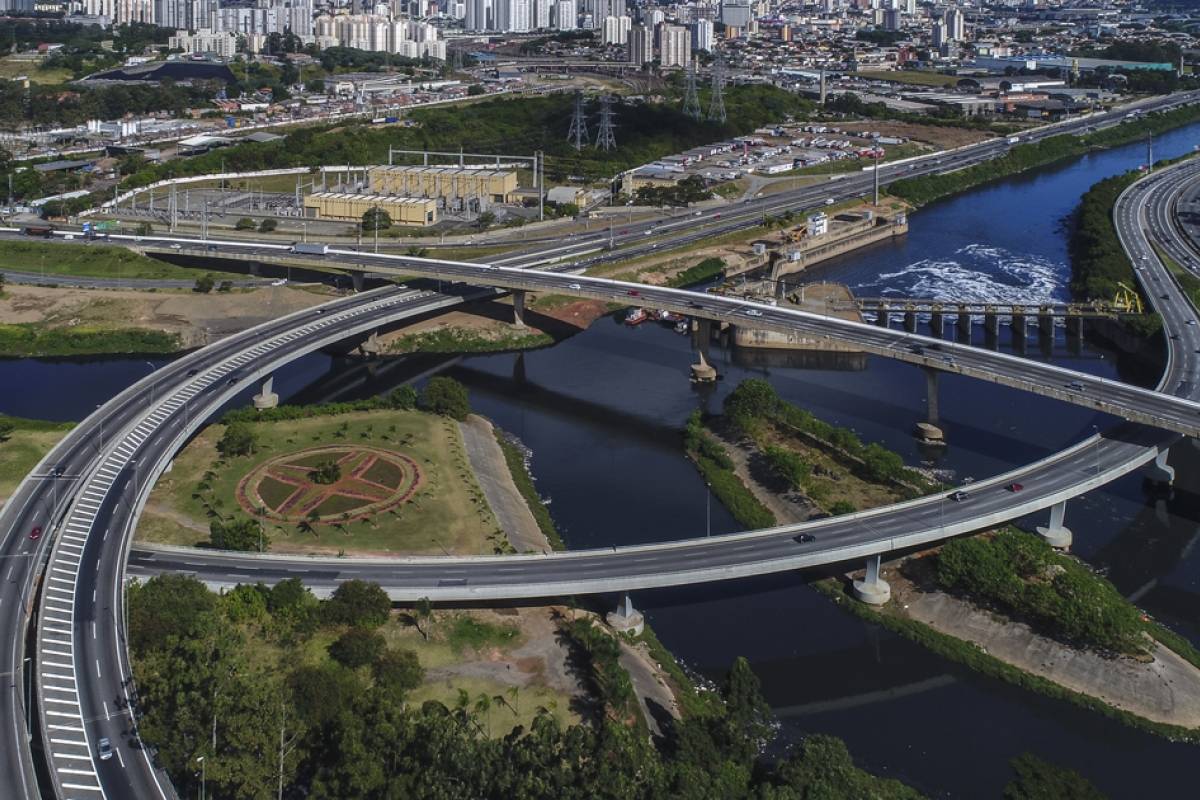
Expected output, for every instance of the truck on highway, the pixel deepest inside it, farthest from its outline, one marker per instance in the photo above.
(310, 248)
(38, 230)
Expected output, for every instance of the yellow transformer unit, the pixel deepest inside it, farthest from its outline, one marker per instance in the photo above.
(351, 207)
(492, 185)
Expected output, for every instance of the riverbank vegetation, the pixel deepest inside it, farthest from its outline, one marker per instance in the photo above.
(92, 261)
(459, 340)
(927, 188)
(32, 340)
(518, 467)
(756, 410)
(343, 684)
(716, 466)
(1099, 264)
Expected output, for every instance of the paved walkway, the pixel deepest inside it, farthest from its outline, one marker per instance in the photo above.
(648, 685)
(1167, 689)
(491, 470)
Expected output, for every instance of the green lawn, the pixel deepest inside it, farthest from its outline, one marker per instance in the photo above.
(446, 514)
(22, 450)
(90, 261)
(911, 77)
(31, 68)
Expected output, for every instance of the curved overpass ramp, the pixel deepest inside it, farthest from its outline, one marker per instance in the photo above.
(80, 649)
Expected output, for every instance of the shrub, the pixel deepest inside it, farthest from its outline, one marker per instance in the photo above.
(244, 224)
(326, 472)
(398, 671)
(358, 603)
(239, 439)
(204, 284)
(267, 225)
(239, 533)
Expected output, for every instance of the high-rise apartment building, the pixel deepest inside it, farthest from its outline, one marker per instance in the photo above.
(703, 37)
(616, 30)
(675, 46)
(641, 45)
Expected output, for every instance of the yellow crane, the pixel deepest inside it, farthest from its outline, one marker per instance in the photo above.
(1127, 299)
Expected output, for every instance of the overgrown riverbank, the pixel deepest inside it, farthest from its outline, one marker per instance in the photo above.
(33, 340)
(927, 188)
(1061, 632)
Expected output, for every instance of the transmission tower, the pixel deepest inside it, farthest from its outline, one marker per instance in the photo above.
(578, 135)
(606, 137)
(716, 108)
(691, 100)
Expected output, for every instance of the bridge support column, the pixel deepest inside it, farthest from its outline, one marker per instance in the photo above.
(1159, 471)
(1045, 326)
(991, 323)
(518, 297)
(1056, 534)
(370, 345)
(1018, 329)
(356, 280)
(1075, 327)
(703, 334)
(703, 372)
(931, 396)
(266, 398)
(964, 324)
(883, 316)
(937, 323)
(872, 589)
(626, 619)
(910, 321)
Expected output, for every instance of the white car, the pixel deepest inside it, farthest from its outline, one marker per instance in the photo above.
(753, 312)
(575, 286)
(177, 246)
(280, 282)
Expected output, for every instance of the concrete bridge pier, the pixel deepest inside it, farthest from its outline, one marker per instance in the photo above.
(518, 297)
(1055, 533)
(937, 322)
(1075, 328)
(356, 280)
(883, 316)
(872, 589)
(1045, 326)
(931, 395)
(370, 345)
(1159, 471)
(910, 320)
(626, 619)
(266, 398)
(1018, 330)
(703, 334)
(964, 324)
(991, 322)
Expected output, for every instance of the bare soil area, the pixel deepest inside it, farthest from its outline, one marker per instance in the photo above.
(944, 138)
(196, 318)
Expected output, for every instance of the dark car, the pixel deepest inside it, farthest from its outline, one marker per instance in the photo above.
(193, 372)
(633, 293)
(806, 538)
(233, 379)
(1015, 487)
(959, 496)
(36, 533)
(694, 304)
(917, 349)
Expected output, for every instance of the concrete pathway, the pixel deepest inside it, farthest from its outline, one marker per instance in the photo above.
(648, 685)
(491, 470)
(1167, 689)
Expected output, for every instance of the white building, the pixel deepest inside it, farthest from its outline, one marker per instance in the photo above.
(703, 37)
(222, 44)
(641, 45)
(956, 23)
(675, 46)
(566, 15)
(616, 30)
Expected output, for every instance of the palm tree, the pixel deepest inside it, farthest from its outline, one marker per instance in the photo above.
(483, 706)
(515, 693)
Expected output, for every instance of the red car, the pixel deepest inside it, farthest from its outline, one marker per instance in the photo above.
(1015, 487)
(36, 533)
(633, 292)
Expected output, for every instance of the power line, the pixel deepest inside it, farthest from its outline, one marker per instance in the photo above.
(606, 138)
(716, 107)
(691, 100)
(578, 134)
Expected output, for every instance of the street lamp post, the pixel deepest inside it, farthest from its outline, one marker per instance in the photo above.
(1096, 449)
(707, 509)
(203, 775)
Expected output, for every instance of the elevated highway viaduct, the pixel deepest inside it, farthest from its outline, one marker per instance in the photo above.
(88, 491)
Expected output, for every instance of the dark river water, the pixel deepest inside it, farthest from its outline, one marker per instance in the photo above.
(602, 411)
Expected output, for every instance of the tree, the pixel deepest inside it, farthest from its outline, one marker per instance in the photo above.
(446, 396)
(164, 606)
(239, 439)
(244, 224)
(486, 220)
(357, 647)
(6, 429)
(204, 284)
(267, 225)
(752, 399)
(226, 287)
(326, 472)
(358, 603)
(144, 229)
(376, 219)
(475, 89)
(422, 613)
(239, 533)
(398, 672)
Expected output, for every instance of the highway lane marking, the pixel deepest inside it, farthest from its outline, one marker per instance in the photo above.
(65, 728)
(57, 652)
(60, 701)
(72, 771)
(106, 714)
(81, 787)
(10, 572)
(119, 757)
(98, 668)
(75, 756)
(93, 630)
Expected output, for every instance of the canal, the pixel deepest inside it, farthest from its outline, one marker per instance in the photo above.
(601, 413)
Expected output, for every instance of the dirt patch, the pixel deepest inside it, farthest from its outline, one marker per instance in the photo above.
(195, 318)
(940, 137)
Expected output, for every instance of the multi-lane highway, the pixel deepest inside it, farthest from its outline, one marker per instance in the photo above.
(110, 461)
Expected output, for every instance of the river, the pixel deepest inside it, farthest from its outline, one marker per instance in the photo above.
(601, 413)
